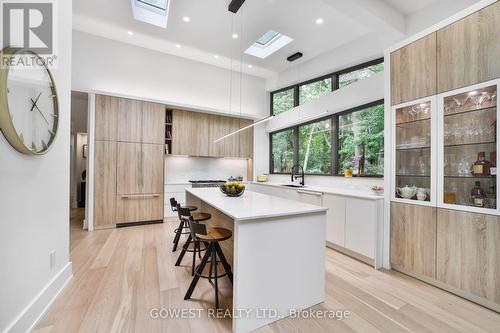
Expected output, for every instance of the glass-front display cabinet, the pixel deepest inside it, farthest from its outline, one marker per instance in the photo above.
(467, 148)
(413, 157)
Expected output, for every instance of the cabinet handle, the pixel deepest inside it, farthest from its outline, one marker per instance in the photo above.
(318, 194)
(139, 196)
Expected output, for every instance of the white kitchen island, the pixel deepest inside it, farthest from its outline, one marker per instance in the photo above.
(277, 253)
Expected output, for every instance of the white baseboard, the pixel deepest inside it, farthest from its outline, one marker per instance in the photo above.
(31, 315)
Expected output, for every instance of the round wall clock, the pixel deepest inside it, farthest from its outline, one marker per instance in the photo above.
(28, 102)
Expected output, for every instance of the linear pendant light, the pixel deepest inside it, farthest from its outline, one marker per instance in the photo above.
(245, 128)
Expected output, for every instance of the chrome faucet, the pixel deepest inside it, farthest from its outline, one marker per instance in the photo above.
(301, 176)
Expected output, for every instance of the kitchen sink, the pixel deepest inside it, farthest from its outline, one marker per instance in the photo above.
(294, 186)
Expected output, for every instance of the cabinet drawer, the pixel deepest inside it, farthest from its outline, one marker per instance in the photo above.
(313, 198)
(139, 208)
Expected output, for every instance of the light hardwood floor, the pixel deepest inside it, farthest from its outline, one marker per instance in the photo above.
(120, 274)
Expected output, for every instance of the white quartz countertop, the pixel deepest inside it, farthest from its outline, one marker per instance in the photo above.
(252, 205)
(363, 194)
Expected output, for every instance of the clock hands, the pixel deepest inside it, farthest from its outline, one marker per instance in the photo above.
(39, 111)
(34, 102)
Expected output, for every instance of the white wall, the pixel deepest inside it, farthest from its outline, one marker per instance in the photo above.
(105, 65)
(352, 54)
(34, 209)
(181, 169)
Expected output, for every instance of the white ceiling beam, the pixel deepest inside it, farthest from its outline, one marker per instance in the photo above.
(376, 15)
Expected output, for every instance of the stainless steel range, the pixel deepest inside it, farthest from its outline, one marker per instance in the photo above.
(207, 183)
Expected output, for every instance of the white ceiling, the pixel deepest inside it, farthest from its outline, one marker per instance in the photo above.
(406, 7)
(211, 26)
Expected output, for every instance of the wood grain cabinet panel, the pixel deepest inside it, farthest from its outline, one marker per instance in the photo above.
(191, 133)
(129, 120)
(139, 208)
(153, 123)
(246, 140)
(413, 71)
(413, 238)
(468, 253)
(129, 168)
(104, 184)
(106, 121)
(468, 50)
(151, 178)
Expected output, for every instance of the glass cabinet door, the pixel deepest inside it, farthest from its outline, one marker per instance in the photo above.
(468, 137)
(413, 149)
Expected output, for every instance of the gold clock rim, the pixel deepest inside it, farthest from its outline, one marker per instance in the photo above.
(6, 125)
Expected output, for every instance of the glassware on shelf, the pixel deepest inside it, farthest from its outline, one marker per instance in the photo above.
(413, 151)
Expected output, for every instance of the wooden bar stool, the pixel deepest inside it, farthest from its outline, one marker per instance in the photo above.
(212, 236)
(183, 228)
(192, 244)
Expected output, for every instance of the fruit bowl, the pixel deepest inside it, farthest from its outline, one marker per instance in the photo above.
(233, 189)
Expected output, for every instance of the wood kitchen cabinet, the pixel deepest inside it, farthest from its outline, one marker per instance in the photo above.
(129, 120)
(105, 184)
(190, 133)
(194, 134)
(128, 161)
(468, 254)
(153, 123)
(413, 71)
(413, 239)
(468, 50)
(106, 121)
(245, 140)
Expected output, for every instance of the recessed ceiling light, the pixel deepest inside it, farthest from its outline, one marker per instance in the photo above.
(235, 36)
(186, 19)
(250, 66)
(319, 21)
(216, 56)
(131, 33)
(178, 46)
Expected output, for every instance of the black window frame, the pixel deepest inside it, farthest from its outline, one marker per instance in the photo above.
(333, 76)
(334, 125)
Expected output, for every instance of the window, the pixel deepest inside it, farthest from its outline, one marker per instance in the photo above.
(299, 94)
(314, 90)
(282, 151)
(346, 79)
(361, 141)
(352, 139)
(267, 37)
(315, 147)
(283, 101)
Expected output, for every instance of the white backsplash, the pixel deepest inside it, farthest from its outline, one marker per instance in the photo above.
(351, 183)
(181, 169)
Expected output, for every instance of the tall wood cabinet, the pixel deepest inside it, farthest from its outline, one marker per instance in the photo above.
(128, 161)
(468, 50)
(413, 70)
(468, 254)
(445, 215)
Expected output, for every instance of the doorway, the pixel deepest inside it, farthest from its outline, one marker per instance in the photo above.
(79, 156)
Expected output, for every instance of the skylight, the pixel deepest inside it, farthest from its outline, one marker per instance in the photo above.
(151, 11)
(268, 37)
(158, 4)
(267, 44)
